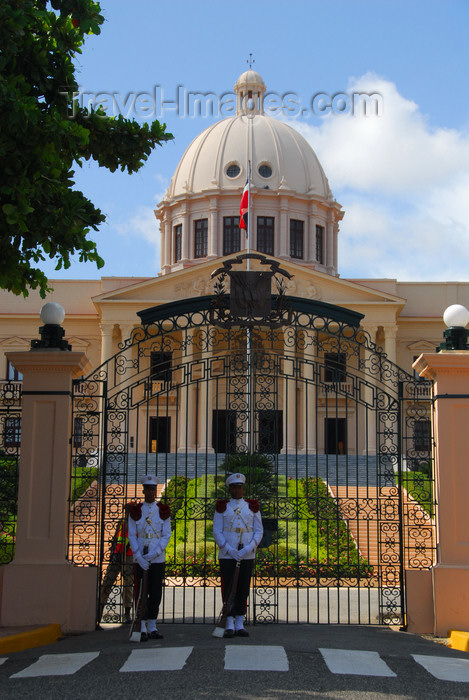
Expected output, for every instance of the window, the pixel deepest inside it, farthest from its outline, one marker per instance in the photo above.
(12, 374)
(177, 242)
(12, 434)
(296, 238)
(320, 244)
(265, 234)
(231, 237)
(160, 366)
(335, 367)
(201, 238)
(264, 170)
(233, 170)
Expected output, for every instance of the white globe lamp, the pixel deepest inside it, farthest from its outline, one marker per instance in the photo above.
(456, 318)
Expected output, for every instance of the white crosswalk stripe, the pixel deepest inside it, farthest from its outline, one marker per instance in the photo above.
(166, 659)
(57, 665)
(247, 658)
(255, 658)
(358, 663)
(445, 668)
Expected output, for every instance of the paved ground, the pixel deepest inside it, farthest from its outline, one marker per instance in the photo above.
(277, 662)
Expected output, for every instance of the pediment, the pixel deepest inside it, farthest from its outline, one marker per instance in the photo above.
(421, 346)
(15, 343)
(78, 343)
(195, 281)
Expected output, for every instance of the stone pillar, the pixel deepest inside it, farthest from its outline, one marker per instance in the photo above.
(283, 236)
(186, 238)
(213, 236)
(167, 248)
(369, 411)
(328, 248)
(289, 394)
(40, 586)
(107, 330)
(390, 333)
(187, 401)
(447, 604)
(310, 398)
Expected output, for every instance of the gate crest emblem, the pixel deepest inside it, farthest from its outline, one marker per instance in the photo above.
(250, 301)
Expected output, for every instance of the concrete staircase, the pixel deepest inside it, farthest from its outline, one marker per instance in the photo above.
(337, 470)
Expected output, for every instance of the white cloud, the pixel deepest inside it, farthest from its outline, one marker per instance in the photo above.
(404, 185)
(142, 224)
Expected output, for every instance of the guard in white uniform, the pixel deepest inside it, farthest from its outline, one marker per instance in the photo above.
(149, 530)
(237, 530)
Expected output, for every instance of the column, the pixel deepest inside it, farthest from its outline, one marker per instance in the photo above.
(369, 411)
(213, 236)
(283, 237)
(438, 599)
(187, 401)
(328, 253)
(40, 586)
(186, 238)
(309, 405)
(335, 246)
(107, 330)
(205, 404)
(390, 333)
(166, 252)
(289, 394)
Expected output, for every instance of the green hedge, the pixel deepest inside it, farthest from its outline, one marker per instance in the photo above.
(312, 542)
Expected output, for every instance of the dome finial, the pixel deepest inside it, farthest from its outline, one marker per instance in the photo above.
(250, 60)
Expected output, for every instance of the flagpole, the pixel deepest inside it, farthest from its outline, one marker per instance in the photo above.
(249, 214)
(250, 422)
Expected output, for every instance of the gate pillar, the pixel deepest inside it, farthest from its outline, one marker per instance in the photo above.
(40, 586)
(449, 583)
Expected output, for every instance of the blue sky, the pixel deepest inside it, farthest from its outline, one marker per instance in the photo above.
(402, 177)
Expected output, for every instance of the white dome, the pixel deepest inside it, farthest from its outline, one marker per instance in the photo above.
(289, 156)
(280, 157)
(292, 212)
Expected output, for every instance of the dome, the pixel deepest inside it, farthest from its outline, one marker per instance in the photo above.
(292, 213)
(280, 157)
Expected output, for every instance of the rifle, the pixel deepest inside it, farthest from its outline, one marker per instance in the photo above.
(219, 630)
(135, 636)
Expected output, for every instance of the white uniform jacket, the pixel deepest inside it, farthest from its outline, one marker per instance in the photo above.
(152, 529)
(237, 522)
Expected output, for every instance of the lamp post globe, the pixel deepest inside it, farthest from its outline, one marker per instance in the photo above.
(456, 318)
(52, 313)
(456, 315)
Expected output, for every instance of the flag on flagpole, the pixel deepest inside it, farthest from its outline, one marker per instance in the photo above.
(244, 208)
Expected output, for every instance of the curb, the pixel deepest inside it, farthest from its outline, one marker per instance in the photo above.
(27, 640)
(458, 640)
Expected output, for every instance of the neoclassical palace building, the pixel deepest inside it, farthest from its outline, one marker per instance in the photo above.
(294, 221)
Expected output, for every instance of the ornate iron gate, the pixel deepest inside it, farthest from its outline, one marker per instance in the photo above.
(10, 442)
(333, 437)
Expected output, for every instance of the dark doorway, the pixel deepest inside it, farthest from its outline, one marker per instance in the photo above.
(160, 434)
(270, 439)
(335, 437)
(224, 431)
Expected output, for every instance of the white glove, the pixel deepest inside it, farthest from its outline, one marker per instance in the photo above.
(246, 551)
(142, 562)
(152, 554)
(233, 553)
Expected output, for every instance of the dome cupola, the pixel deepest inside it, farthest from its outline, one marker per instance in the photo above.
(250, 91)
